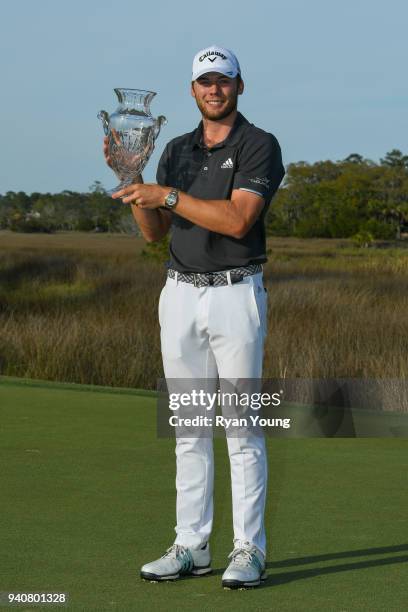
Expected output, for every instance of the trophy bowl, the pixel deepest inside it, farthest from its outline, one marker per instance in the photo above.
(132, 132)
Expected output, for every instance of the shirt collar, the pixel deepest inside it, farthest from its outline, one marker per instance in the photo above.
(231, 139)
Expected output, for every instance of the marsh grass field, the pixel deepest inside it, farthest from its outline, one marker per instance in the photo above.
(79, 307)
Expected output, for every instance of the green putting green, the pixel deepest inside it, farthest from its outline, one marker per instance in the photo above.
(87, 497)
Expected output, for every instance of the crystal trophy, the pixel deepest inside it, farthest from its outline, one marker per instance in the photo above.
(132, 132)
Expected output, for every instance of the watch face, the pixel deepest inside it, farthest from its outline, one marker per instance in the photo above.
(171, 198)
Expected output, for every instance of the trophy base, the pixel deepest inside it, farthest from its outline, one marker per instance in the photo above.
(121, 185)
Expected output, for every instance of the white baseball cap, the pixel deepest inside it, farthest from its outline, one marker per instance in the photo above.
(215, 59)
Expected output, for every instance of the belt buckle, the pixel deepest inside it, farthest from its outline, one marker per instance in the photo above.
(195, 279)
(210, 277)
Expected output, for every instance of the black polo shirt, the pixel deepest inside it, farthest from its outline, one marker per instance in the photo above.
(250, 159)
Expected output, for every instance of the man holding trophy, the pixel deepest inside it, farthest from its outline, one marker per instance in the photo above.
(214, 186)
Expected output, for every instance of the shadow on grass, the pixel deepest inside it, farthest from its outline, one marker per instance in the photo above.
(291, 576)
(340, 555)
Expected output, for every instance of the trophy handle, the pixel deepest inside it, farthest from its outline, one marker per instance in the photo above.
(104, 117)
(161, 120)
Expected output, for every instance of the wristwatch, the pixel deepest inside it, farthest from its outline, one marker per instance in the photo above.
(171, 199)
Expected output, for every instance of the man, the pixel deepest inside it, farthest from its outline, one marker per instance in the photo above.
(213, 189)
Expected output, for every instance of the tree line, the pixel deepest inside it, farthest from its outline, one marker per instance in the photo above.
(325, 199)
(66, 211)
(340, 199)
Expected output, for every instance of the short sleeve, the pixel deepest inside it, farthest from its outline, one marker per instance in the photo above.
(162, 168)
(260, 167)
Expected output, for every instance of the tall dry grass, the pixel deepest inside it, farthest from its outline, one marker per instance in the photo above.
(80, 314)
(83, 308)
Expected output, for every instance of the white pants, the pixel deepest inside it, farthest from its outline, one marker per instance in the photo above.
(211, 332)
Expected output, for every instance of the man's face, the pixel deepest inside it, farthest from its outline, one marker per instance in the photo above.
(216, 95)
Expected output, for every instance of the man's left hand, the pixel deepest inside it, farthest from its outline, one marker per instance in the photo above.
(148, 195)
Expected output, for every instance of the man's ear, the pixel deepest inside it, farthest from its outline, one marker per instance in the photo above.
(241, 87)
(192, 89)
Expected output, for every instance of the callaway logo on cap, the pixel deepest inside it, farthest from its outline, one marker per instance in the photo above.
(215, 59)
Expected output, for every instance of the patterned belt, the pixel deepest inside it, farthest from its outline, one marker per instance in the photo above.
(215, 279)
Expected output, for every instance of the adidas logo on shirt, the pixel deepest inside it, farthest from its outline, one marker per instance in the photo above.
(228, 163)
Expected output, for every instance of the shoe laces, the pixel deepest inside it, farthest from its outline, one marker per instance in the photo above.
(175, 551)
(242, 555)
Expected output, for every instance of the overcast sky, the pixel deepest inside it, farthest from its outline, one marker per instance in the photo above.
(327, 78)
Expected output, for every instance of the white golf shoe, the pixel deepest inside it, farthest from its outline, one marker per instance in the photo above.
(246, 569)
(178, 561)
